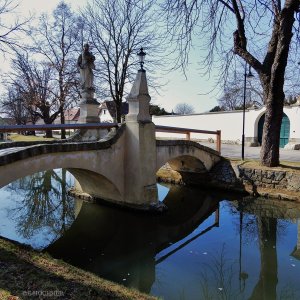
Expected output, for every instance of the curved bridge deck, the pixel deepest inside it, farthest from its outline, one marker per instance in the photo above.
(102, 168)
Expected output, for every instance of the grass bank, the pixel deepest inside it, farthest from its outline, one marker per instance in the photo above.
(288, 166)
(27, 274)
(27, 138)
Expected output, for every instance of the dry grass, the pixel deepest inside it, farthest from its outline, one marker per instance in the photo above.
(287, 166)
(27, 138)
(24, 271)
(169, 174)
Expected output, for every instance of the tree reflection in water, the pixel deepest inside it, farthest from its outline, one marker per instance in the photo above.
(243, 256)
(218, 277)
(42, 204)
(257, 221)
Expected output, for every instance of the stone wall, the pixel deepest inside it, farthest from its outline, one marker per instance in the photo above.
(270, 179)
(271, 183)
(283, 184)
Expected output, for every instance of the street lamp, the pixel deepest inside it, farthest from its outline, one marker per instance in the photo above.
(141, 56)
(246, 75)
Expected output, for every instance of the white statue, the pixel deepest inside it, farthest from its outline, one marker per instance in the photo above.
(86, 65)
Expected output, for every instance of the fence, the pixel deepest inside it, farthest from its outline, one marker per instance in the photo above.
(158, 128)
(188, 131)
(20, 128)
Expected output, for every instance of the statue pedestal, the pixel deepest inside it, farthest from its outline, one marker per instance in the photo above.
(88, 108)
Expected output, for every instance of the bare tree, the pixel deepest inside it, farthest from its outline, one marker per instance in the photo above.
(117, 30)
(10, 31)
(34, 83)
(57, 39)
(14, 103)
(12, 106)
(234, 93)
(184, 109)
(256, 22)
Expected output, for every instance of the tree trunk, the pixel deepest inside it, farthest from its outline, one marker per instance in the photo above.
(118, 111)
(48, 132)
(269, 154)
(268, 277)
(272, 78)
(62, 121)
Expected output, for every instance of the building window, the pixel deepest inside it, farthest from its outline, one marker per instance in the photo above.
(104, 111)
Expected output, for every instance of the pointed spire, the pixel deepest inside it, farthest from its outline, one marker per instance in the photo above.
(139, 99)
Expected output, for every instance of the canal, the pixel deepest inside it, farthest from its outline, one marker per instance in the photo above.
(209, 245)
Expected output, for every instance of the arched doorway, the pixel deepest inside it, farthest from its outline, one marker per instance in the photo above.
(284, 130)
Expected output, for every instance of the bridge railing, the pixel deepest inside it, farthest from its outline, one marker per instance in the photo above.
(188, 131)
(21, 128)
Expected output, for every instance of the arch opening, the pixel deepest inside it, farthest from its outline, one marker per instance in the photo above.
(94, 184)
(284, 130)
(183, 169)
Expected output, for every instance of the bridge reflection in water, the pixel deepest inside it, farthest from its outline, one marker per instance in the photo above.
(114, 243)
(253, 254)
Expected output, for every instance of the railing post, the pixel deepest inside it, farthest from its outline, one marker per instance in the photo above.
(188, 135)
(219, 141)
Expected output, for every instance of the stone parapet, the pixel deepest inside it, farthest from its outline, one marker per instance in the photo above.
(21, 150)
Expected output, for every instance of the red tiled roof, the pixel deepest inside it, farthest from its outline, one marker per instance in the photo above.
(72, 114)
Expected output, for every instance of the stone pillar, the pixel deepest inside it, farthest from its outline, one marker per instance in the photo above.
(140, 154)
(88, 107)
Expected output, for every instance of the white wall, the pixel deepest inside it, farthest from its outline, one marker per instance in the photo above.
(105, 117)
(293, 113)
(230, 123)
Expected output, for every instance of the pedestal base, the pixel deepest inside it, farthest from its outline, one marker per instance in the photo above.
(89, 111)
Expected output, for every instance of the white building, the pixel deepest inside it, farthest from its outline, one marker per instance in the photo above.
(107, 111)
(230, 123)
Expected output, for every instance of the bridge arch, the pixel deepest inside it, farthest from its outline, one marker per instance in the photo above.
(89, 168)
(192, 160)
(187, 153)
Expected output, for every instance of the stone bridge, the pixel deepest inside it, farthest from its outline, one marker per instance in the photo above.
(121, 166)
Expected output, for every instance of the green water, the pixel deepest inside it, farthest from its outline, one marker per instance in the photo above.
(208, 245)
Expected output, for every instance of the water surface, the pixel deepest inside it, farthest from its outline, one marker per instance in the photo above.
(207, 246)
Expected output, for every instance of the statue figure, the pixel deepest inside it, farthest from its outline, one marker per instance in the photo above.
(86, 65)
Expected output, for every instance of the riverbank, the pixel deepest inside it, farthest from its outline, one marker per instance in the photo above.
(28, 274)
(249, 177)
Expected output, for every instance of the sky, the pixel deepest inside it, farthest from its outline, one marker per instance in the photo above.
(193, 90)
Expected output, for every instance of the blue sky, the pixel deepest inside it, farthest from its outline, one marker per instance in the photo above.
(193, 90)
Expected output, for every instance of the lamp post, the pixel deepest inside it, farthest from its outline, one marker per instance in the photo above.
(141, 56)
(246, 75)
